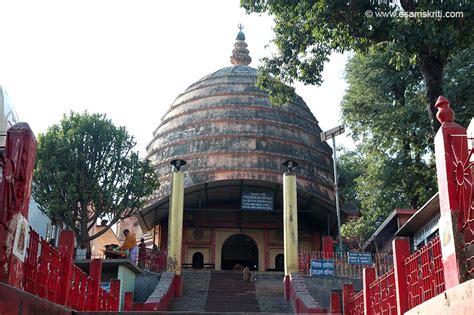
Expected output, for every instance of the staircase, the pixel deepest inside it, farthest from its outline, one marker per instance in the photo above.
(224, 291)
(270, 295)
(228, 293)
(195, 288)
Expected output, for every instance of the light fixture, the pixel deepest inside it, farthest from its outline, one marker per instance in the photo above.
(178, 164)
(290, 165)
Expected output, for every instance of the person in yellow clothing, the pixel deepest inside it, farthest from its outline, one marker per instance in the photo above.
(130, 244)
(130, 240)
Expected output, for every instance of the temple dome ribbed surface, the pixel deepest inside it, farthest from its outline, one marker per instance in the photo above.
(225, 127)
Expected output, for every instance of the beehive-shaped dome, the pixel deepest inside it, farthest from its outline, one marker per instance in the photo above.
(226, 129)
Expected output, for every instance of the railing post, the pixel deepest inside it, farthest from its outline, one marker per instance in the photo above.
(347, 293)
(95, 274)
(368, 279)
(335, 302)
(17, 163)
(128, 301)
(327, 247)
(451, 154)
(66, 250)
(401, 250)
(115, 292)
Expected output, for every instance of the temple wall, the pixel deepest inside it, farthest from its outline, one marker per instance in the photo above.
(209, 242)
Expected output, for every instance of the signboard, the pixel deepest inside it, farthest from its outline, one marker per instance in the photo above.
(331, 133)
(322, 267)
(21, 238)
(359, 258)
(260, 201)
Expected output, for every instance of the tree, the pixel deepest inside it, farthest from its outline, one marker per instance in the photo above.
(459, 80)
(86, 170)
(308, 31)
(386, 117)
(393, 134)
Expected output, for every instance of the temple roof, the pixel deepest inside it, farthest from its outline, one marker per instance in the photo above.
(227, 130)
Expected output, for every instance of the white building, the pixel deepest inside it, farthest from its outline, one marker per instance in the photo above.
(37, 219)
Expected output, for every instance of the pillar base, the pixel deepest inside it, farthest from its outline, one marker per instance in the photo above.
(178, 286)
(286, 285)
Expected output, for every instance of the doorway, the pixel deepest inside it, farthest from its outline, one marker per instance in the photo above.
(198, 260)
(279, 262)
(239, 249)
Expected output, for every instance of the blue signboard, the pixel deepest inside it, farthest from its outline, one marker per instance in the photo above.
(322, 267)
(359, 258)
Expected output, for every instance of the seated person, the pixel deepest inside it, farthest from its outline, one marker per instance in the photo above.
(247, 274)
(238, 267)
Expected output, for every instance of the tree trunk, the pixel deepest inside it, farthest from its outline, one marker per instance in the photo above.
(432, 70)
(85, 245)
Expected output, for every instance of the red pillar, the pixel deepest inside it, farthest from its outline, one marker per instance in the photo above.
(327, 247)
(335, 302)
(266, 251)
(164, 238)
(18, 163)
(316, 241)
(213, 246)
(95, 274)
(66, 249)
(368, 278)
(287, 287)
(451, 153)
(401, 250)
(115, 291)
(183, 245)
(347, 292)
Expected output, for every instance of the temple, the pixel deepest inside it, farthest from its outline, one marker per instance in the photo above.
(234, 142)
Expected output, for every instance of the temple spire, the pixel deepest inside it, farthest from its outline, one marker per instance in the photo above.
(240, 53)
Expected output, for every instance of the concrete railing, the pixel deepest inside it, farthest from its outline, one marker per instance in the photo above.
(159, 300)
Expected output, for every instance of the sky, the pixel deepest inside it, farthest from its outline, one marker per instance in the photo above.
(131, 59)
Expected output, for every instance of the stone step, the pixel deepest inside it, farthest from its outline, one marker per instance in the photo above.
(227, 292)
(215, 292)
(195, 290)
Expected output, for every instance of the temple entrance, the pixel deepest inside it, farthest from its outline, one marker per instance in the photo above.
(239, 249)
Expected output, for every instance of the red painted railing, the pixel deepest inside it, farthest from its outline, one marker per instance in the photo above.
(342, 268)
(421, 278)
(424, 273)
(44, 276)
(463, 158)
(152, 260)
(382, 291)
(355, 304)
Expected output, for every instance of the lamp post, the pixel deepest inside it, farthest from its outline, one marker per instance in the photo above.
(326, 135)
(175, 223)
(290, 223)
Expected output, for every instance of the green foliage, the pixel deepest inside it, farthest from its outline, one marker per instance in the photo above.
(394, 80)
(306, 32)
(459, 83)
(357, 230)
(393, 165)
(382, 103)
(86, 170)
